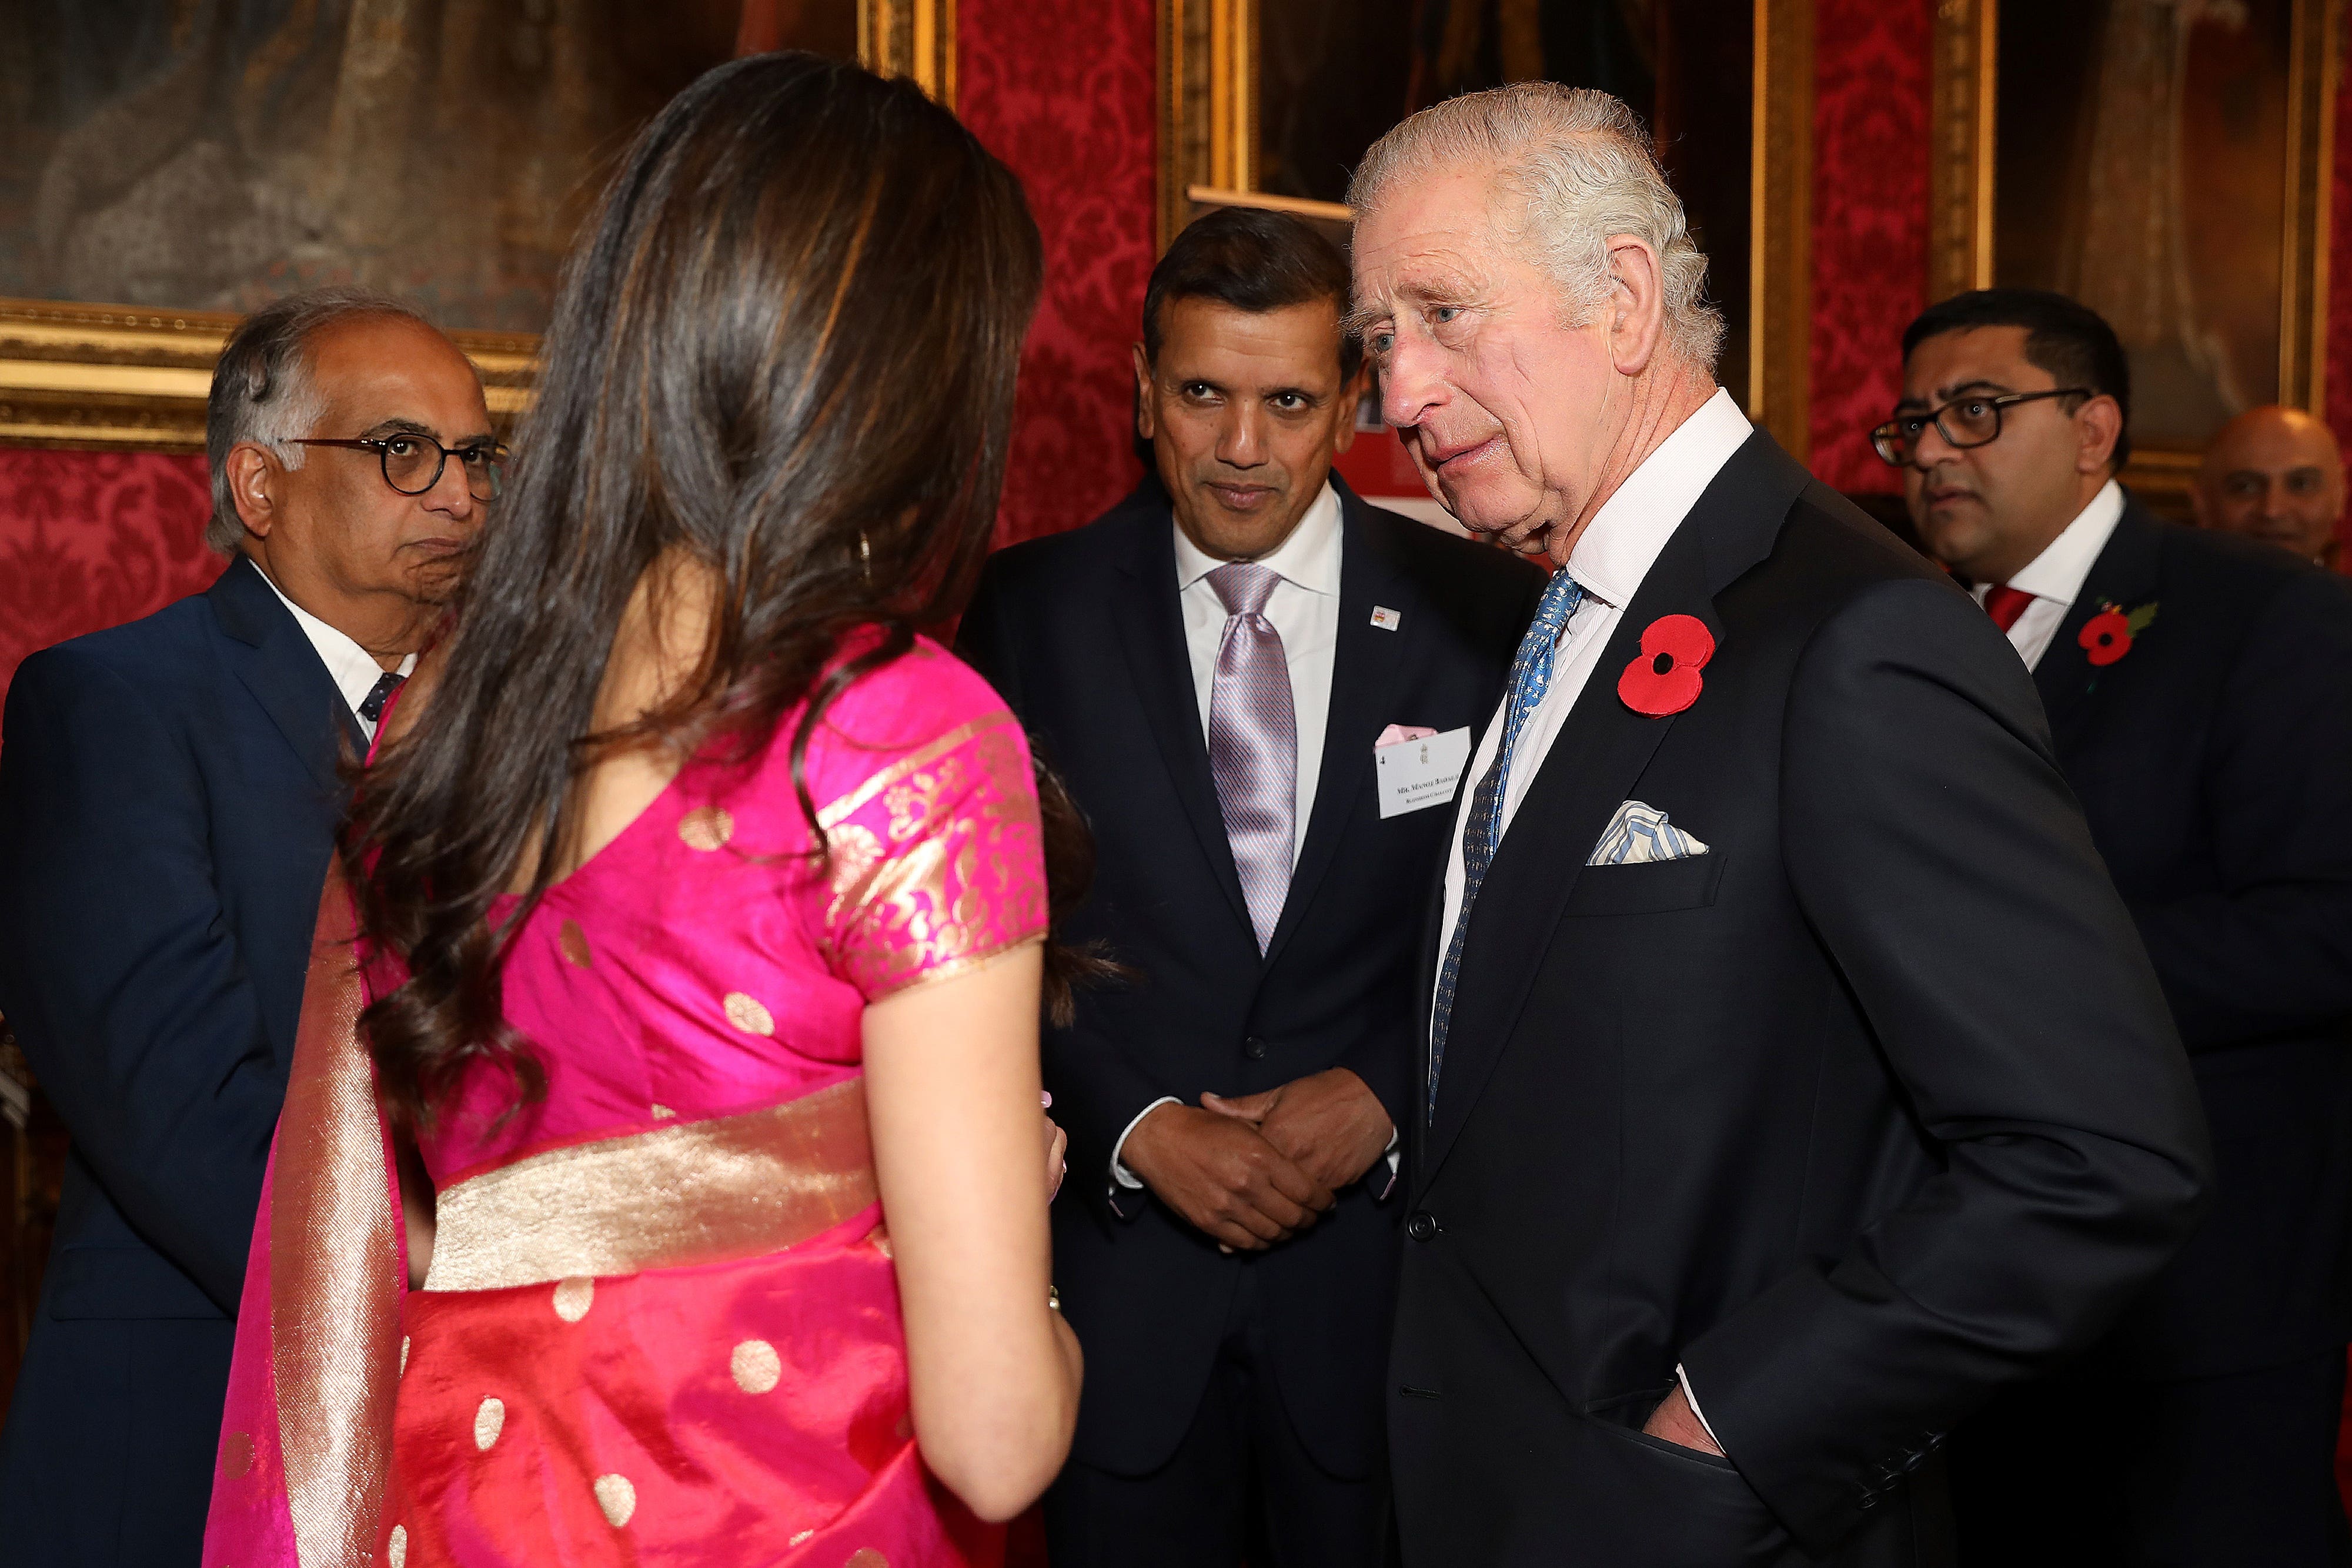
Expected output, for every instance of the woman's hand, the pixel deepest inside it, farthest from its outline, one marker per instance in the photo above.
(1057, 1152)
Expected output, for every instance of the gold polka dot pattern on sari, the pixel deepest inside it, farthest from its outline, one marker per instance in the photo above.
(574, 1298)
(755, 1367)
(575, 942)
(663, 1113)
(235, 1455)
(866, 1557)
(490, 1420)
(395, 1551)
(706, 828)
(749, 1015)
(617, 1498)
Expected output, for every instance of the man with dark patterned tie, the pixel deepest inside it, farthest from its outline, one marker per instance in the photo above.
(168, 800)
(1212, 666)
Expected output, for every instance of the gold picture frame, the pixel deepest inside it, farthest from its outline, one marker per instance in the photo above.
(74, 374)
(1962, 188)
(1208, 148)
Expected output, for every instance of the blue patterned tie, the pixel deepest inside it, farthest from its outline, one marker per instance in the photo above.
(1530, 677)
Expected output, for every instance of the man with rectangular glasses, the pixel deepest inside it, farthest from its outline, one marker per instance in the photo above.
(2199, 692)
(169, 797)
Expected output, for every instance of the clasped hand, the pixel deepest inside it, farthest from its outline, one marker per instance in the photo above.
(1257, 1169)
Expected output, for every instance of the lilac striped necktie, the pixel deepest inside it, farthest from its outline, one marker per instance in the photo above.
(1254, 742)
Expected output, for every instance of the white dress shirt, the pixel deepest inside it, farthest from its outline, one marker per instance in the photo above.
(353, 667)
(2055, 577)
(1609, 559)
(1305, 609)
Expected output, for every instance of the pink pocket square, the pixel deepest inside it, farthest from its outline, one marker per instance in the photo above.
(1398, 734)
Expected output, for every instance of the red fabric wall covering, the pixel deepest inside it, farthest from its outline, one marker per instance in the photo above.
(1063, 91)
(91, 540)
(1870, 223)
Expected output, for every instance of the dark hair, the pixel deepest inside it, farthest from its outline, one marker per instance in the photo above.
(262, 390)
(1252, 260)
(783, 349)
(2063, 336)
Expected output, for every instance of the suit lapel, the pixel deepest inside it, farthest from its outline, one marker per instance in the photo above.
(2125, 575)
(1364, 662)
(282, 672)
(1151, 636)
(1591, 769)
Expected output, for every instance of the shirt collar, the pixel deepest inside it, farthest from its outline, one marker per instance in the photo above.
(1309, 559)
(2058, 572)
(353, 667)
(1617, 548)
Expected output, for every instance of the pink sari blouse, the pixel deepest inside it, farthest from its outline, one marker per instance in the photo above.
(661, 1322)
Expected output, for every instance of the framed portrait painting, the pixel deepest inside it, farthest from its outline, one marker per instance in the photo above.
(2167, 164)
(167, 167)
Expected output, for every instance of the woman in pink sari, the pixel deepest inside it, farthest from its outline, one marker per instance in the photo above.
(700, 907)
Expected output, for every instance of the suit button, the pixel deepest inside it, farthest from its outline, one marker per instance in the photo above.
(1254, 1048)
(1422, 1226)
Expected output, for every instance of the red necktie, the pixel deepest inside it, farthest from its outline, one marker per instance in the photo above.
(2005, 605)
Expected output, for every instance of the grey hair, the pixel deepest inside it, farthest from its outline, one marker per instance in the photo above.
(1585, 169)
(262, 391)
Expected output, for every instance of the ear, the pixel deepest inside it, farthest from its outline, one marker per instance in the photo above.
(1636, 305)
(252, 478)
(1351, 394)
(2098, 424)
(1145, 425)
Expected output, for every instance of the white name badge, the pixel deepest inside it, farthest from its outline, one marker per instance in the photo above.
(1414, 775)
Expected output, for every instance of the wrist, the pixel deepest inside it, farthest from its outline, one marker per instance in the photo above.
(1136, 1151)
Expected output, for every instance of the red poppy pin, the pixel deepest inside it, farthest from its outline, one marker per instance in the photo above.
(1665, 678)
(2108, 635)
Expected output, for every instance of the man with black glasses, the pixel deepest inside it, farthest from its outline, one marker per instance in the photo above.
(2198, 690)
(169, 797)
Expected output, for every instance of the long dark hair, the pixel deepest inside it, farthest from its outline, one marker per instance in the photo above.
(785, 349)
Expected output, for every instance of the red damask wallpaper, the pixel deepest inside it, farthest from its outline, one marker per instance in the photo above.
(1063, 92)
(1870, 223)
(91, 540)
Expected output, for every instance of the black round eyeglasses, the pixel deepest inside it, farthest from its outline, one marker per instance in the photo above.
(412, 464)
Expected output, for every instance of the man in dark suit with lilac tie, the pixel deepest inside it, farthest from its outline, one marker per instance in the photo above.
(1214, 666)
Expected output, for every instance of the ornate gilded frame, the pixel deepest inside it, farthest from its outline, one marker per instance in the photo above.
(1208, 147)
(90, 375)
(1966, 83)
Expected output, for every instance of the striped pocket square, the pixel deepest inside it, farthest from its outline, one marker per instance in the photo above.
(1638, 833)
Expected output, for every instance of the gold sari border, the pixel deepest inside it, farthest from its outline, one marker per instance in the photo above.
(335, 1266)
(841, 809)
(712, 1191)
(955, 967)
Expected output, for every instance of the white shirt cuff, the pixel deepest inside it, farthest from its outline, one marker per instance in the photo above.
(1118, 1171)
(1692, 1400)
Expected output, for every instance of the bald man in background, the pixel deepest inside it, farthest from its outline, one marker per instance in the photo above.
(2274, 473)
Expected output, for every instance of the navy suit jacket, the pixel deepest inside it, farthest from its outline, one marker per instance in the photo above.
(2214, 762)
(1870, 1110)
(168, 803)
(1084, 636)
